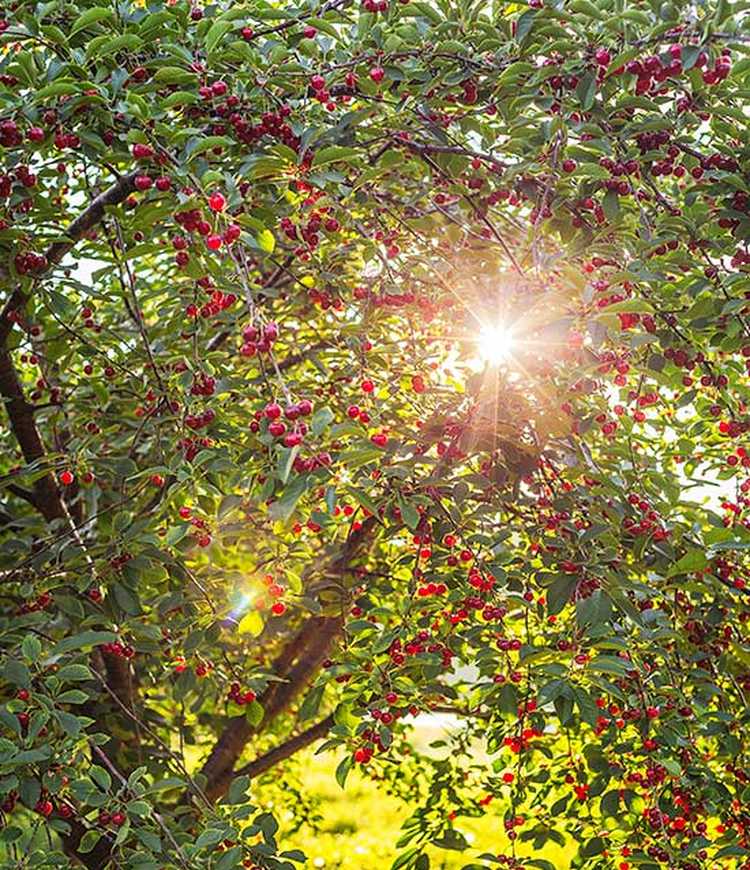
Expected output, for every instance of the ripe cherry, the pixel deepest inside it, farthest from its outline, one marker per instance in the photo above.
(142, 152)
(66, 478)
(217, 201)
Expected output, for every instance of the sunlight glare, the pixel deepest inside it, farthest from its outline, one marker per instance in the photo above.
(495, 344)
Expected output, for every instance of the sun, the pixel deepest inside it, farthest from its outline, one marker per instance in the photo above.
(495, 344)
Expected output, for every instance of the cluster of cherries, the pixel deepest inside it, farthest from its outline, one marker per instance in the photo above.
(41, 602)
(278, 428)
(257, 340)
(200, 526)
(191, 447)
(118, 649)
(240, 697)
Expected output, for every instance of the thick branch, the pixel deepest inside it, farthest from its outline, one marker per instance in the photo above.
(297, 664)
(309, 648)
(21, 414)
(286, 750)
(94, 859)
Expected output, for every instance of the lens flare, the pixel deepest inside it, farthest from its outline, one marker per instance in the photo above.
(495, 344)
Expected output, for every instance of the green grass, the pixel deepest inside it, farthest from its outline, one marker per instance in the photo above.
(361, 824)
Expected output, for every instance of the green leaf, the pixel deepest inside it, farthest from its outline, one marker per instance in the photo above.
(209, 837)
(72, 673)
(17, 673)
(216, 33)
(584, 7)
(237, 793)
(586, 90)
(89, 17)
(83, 641)
(70, 724)
(692, 561)
(254, 713)
(334, 153)
(593, 847)
(31, 647)
(283, 508)
(265, 240)
(88, 841)
(558, 594)
(321, 419)
(72, 696)
(611, 205)
(410, 515)
(251, 623)
(311, 704)
(175, 75)
(342, 771)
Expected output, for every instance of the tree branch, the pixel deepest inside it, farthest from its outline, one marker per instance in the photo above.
(89, 218)
(297, 663)
(280, 753)
(21, 415)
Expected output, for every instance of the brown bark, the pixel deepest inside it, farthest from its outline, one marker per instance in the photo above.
(297, 664)
(308, 649)
(98, 857)
(46, 496)
(286, 750)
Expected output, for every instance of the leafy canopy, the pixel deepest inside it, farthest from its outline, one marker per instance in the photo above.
(361, 360)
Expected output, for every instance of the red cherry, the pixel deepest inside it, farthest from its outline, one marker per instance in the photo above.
(118, 819)
(213, 242)
(44, 807)
(66, 478)
(278, 608)
(569, 165)
(377, 74)
(142, 152)
(217, 201)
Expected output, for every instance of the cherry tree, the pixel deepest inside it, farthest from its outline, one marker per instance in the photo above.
(362, 360)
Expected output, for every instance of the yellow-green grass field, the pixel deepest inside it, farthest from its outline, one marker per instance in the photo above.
(361, 824)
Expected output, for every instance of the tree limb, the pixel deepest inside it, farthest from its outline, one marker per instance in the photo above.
(46, 495)
(280, 753)
(297, 663)
(89, 218)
